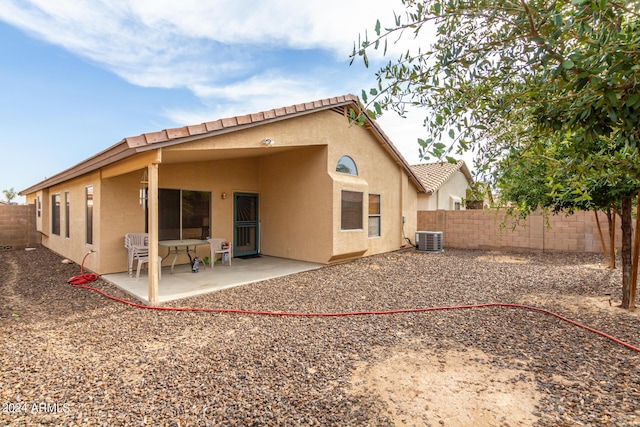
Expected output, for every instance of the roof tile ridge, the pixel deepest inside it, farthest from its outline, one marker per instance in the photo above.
(149, 138)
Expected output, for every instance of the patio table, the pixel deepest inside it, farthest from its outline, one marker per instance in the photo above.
(177, 247)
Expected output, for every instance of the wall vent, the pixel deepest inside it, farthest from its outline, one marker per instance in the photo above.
(429, 241)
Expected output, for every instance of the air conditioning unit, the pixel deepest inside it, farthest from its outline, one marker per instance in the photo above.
(429, 241)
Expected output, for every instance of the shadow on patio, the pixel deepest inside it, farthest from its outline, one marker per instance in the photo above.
(183, 283)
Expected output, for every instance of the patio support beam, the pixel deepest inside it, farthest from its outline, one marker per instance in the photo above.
(152, 170)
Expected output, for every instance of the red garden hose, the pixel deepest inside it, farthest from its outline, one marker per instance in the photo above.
(83, 278)
(79, 281)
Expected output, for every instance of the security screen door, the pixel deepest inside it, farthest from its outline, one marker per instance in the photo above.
(245, 224)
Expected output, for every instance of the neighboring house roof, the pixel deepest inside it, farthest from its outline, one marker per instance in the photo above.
(167, 137)
(434, 175)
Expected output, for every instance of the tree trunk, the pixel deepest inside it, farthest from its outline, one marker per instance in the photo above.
(604, 246)
(626, 254)
(611, 218)
(634, 264)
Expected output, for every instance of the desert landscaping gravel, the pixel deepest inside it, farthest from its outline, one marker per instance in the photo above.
(73, 357)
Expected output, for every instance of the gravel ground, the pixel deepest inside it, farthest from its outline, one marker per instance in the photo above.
(72, 357)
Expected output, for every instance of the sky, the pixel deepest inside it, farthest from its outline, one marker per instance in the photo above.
(78, 76)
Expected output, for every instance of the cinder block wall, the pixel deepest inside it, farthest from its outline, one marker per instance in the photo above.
(18, 227)
(491, 230)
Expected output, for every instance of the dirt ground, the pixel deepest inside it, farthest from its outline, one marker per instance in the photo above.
(458, 388)
(461, 388)
(111, 364)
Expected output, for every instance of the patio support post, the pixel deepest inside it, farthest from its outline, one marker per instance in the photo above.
(153, 233)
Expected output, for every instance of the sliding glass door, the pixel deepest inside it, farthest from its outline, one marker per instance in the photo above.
(183, 214)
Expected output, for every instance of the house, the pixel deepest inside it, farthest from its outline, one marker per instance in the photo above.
(298, 182)
(446, 185)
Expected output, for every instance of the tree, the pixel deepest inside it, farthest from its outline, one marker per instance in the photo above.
(532, 179)
(10, 194)
(521, 80)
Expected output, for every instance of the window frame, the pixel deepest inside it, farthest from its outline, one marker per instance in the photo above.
(172, 222)
(351, 215)
(375, 216)
(67, 215)
(455, 203)
(348, 170)
(89, 203)
(55, 214)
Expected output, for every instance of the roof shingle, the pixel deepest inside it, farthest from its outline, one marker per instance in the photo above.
(231, 122)
(146, 141)
(434, 175)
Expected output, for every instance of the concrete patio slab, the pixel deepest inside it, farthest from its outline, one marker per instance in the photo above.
(183, 283)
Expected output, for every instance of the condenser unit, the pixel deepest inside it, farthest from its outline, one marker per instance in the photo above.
(429, 241)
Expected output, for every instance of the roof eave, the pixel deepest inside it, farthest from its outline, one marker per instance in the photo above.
(168, 137)
(399, 157)
(106, 157)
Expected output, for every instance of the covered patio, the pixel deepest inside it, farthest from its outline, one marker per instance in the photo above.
(183, 283)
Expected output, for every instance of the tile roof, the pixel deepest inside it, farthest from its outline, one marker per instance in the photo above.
(434, 175)
(229, 123)
(149, 141)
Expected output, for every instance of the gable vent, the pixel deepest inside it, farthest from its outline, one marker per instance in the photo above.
(429, 241)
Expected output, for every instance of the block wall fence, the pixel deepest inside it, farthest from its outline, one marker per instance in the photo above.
(18, 227)
(466, 229)
(491, 230)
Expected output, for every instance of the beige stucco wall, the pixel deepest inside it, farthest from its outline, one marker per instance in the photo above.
(74, 247)
(299, 191)
(378, 173)
(456, 186)
(122, 212)
(295, 202)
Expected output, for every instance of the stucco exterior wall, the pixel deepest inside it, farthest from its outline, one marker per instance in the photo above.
(74, 247)
(379, 174)
(409, 211)
(456, 186)
(298, 188)
(121, 214)
(295, 191)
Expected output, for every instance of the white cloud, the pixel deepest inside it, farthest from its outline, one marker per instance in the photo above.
(198, 45)
(331, 24)
(258, 93)
(169, 44)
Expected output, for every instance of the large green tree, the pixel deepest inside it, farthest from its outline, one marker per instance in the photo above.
(520, 79)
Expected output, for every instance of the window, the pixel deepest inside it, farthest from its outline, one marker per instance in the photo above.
(183, 214)
(39, 207)
(347, 165)
(455, 203)
(89, 214)
(351, 210)
(55, 214)
(66, 215)
(374, 215)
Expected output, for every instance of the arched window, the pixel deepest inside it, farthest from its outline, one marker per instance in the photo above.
(347, 165)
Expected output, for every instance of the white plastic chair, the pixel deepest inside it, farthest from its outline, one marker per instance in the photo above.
(216, 249)
(142, 255)
(136, 243)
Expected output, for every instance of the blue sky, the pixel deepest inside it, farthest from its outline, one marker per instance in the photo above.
(78, 76)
